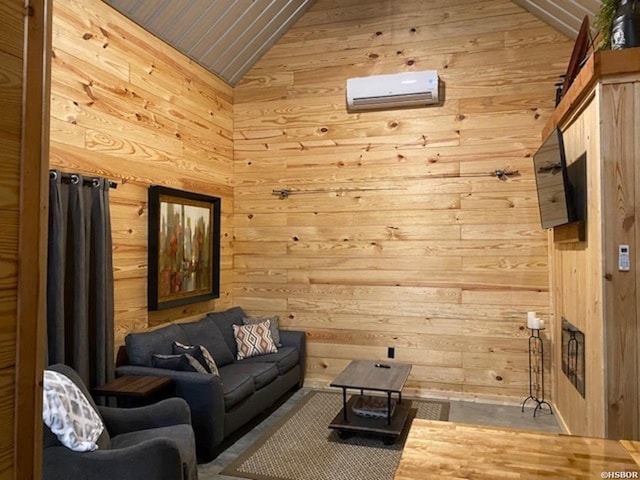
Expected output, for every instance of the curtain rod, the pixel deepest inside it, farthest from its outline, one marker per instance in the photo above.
(501, 174)
(75, 178)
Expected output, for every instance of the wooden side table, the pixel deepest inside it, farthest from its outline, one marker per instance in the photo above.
(135, 390)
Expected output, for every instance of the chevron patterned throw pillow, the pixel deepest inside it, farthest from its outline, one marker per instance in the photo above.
(253, 340)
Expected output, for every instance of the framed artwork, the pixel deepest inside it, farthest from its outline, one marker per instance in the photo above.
(184, 248)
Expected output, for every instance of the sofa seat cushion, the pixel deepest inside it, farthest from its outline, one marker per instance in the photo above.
(262, 373)
(236, 386)
(180, 435)
(284, 359)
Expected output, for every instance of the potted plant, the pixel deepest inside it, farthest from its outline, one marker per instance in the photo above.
(619, 24)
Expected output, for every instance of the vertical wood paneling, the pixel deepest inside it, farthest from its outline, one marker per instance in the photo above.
(11, 77)
(589, 289)
(129, 107)
(635, 262)
(32, 235)
(619, 117)
(578, 295)
(398, 246)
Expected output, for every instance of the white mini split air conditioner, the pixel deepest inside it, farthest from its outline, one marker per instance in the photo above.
(396, 90)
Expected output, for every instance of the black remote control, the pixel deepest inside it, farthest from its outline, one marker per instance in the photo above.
(382, 365)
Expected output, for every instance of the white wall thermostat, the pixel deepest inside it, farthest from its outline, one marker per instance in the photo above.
(623, 258)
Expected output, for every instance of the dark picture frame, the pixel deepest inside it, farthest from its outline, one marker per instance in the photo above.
(184, 248)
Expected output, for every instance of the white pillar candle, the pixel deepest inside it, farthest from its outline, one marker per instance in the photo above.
(534, 323)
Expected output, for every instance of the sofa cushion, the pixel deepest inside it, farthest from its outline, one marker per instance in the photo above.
(236, 386)
(273, 326)
(224, 321)
(69, 414)
(252, 340)
(180, 362)
(285, 359)
(142, 346)
(205, 332)
(200, 353)
(262, 373)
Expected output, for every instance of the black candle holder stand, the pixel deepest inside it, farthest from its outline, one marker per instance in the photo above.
(536, 372)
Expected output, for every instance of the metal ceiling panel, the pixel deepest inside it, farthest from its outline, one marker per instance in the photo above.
(227, 37)
(565, 15)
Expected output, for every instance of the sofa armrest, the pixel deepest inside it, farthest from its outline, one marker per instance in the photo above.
(158, 459)
(297, 339)
(205, 397)
(172, 411)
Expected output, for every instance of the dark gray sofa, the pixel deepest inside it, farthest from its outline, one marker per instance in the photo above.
(245, 388)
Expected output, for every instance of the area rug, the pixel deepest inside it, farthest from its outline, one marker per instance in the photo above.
(301, 446)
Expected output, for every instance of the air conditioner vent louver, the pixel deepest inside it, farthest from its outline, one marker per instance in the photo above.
(397, 90)
(391, 99)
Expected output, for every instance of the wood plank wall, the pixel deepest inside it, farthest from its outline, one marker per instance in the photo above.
(126, 106)
(577, 288)
(11, 87)
(402, 247)
(589, 289)
(619, 143)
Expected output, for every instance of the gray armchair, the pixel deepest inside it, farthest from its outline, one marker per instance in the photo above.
(148, 442)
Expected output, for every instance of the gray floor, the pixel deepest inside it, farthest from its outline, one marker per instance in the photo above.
(463, 412)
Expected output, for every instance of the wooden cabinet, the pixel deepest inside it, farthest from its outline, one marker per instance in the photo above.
(600, 115)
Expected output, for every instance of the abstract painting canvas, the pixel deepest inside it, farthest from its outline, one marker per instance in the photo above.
(184, 247)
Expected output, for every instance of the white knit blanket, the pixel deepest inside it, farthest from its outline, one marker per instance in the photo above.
(68, 413)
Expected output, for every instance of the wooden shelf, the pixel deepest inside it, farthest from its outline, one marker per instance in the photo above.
(356, 423)
(570, 233)
(601, 64)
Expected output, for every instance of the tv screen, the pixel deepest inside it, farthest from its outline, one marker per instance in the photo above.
(554, 196)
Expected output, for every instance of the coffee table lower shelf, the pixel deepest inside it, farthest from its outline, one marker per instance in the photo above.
(358, 424)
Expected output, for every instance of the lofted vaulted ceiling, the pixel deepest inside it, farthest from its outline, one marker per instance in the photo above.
(228, 36)
(563, 15)
(224, 36)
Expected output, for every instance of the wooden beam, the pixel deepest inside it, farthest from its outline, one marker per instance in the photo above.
(33, 242)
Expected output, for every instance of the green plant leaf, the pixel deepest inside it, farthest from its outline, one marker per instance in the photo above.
(604, 21)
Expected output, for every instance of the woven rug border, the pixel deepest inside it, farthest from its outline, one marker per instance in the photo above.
(232, 468)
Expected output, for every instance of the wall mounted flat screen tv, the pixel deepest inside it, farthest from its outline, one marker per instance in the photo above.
(554, 190)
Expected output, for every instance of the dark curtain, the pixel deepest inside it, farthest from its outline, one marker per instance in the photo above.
(80, 277)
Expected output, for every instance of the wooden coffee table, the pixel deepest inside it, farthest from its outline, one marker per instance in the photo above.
(388, 378)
